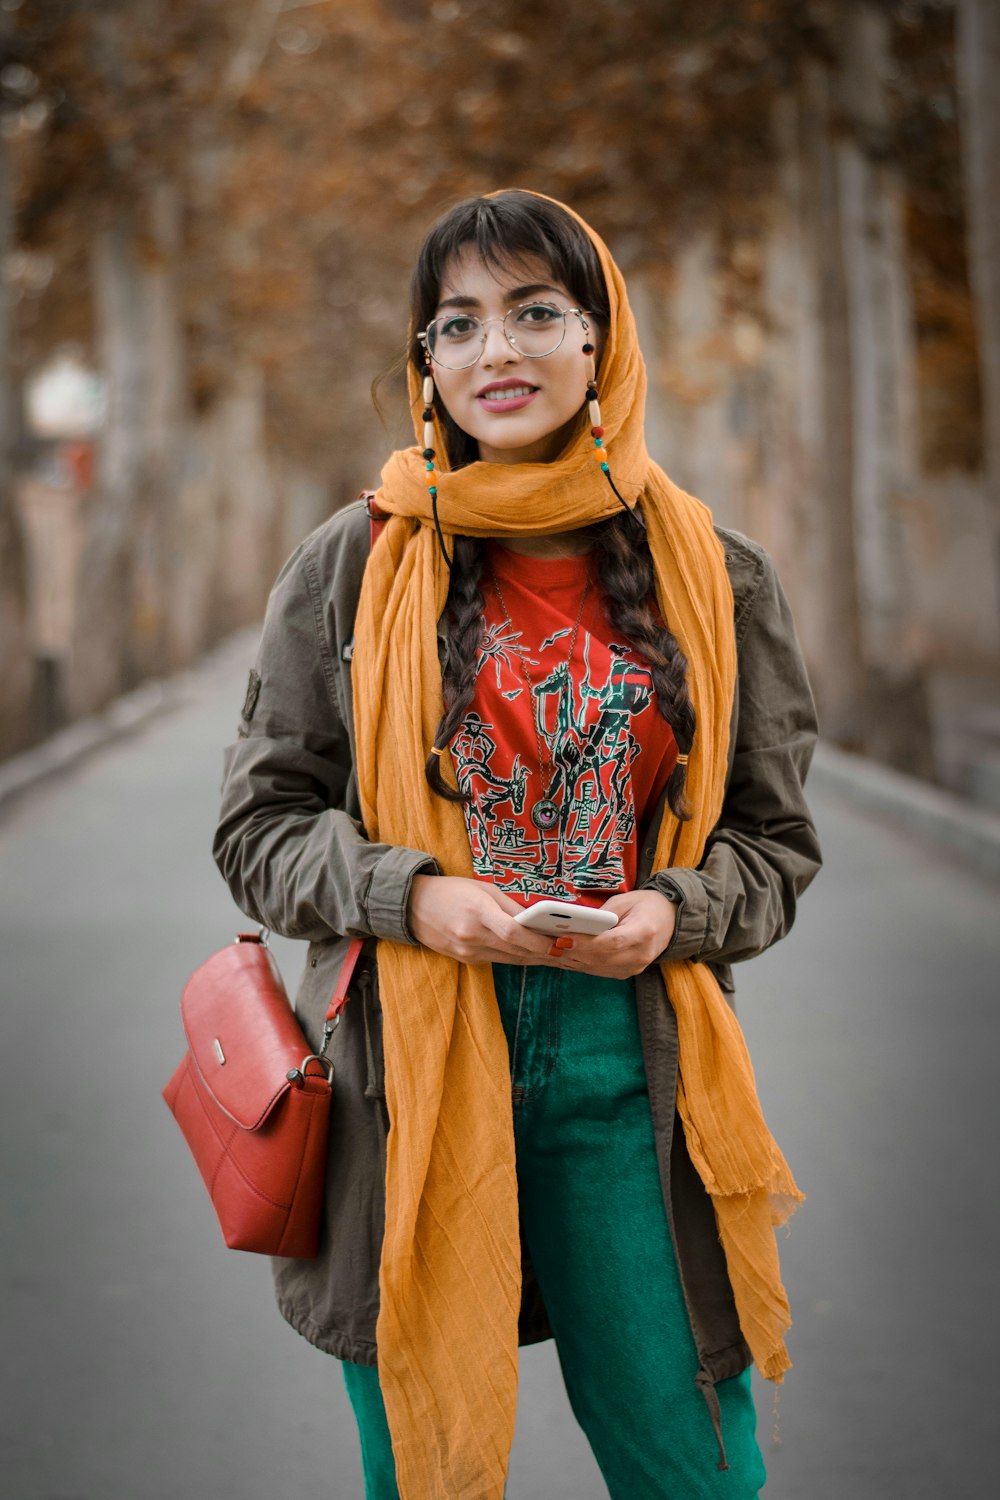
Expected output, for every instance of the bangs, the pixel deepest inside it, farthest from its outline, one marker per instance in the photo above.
(505, 231)
(512, 228)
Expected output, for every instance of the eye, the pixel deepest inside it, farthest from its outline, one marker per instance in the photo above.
(538, 315)
(460, 326)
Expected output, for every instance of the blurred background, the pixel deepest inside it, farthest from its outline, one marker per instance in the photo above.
(208, 212)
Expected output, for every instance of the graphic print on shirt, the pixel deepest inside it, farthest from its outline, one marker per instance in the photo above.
(585, 725)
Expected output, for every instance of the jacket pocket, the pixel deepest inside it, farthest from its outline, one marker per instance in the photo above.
(371, 1011)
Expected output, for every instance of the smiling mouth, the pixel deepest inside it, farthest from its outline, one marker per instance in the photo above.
(506, 393)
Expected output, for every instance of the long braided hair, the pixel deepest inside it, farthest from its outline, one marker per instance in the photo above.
(505, 228)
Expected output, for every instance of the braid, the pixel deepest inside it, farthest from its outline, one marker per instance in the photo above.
(625, 570)
(464, 614)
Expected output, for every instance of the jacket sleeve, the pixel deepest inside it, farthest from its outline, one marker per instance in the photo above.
(292, 856)
(763, 851)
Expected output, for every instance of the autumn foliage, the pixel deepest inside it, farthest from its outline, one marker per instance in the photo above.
(279, 163)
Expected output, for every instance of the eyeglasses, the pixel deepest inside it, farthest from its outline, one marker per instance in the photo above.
(535, 329)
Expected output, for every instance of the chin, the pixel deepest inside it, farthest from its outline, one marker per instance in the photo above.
(548, 444)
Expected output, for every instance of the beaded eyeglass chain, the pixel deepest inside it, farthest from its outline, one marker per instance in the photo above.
(427, 391)
(597, 427)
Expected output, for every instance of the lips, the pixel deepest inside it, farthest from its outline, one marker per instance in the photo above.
(506, 395)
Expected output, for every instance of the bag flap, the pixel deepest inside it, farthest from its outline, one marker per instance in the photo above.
(242, 1031)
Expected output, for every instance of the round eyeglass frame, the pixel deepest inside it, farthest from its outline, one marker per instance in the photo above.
(424, 336)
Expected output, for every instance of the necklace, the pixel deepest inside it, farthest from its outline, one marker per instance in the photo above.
(544, 812)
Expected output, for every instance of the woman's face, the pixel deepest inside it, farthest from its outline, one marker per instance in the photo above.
(519, 410)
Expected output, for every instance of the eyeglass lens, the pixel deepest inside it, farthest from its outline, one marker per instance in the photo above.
(458, 339)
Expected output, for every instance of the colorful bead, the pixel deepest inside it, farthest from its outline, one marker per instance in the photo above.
(588, 349)
(428, 390)
(597, 432)
(428, 415)
(605, 468)
(428, 453)
(598, 442)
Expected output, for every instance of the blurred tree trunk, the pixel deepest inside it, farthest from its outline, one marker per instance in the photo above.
(249, 554)
(808, 447)
(978, 62)
(883, 422)
(156, 537)
(102, 657)
(16, 657)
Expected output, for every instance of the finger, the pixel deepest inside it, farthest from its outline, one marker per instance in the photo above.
(490, 955)
(522, 939)
(510, 943)
(506, 903)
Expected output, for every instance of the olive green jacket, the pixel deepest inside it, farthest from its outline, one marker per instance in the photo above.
(292, 849)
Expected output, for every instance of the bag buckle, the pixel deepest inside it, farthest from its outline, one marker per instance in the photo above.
(320, 1056)
(261, 937)
(322, 1059)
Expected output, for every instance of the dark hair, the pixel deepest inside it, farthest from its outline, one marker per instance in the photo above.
(512, 226)
(505, 229)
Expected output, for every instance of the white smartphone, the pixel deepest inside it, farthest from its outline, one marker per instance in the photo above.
(556, 917)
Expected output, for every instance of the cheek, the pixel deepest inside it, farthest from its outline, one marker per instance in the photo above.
(573, 385)
(447, 387)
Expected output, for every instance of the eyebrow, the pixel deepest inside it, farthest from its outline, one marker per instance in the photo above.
(516, 294)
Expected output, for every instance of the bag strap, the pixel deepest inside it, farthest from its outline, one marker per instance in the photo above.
(339, 999)
(376, 518)
(340, 996)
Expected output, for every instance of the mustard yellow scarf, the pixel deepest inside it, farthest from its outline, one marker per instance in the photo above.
(449, 1279)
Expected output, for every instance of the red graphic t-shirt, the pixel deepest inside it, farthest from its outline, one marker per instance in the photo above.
(606, 749)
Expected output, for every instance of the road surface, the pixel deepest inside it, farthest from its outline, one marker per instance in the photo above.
(143, 1361)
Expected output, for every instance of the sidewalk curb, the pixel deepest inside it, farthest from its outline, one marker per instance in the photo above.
(125, 716)
(967, 831)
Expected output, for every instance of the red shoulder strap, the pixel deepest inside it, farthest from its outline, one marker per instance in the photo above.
(376, 518)
(340, 996)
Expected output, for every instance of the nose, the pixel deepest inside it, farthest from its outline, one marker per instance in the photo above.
(497, 349)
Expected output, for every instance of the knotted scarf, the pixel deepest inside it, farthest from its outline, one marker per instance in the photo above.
(450, 1279)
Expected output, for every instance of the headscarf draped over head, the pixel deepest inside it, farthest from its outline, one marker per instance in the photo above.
(450, 1280)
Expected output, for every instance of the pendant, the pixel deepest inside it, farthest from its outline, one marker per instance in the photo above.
(545, 814)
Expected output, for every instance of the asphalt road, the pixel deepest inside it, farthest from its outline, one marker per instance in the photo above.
(143, 1361)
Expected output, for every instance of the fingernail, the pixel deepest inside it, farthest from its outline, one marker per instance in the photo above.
(564, 942)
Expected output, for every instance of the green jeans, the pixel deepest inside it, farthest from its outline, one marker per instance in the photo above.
(593, 1219)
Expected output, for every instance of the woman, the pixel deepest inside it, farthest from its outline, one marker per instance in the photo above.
(548, 677)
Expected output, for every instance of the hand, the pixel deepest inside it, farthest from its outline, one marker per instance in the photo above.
(471, 921)
(646, 922)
